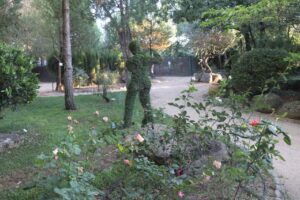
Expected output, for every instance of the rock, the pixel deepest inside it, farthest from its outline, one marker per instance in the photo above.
(162, 145)
(289, 95)
(9, 141)
(293, 82)
(267, 103)
(202, 77)
(218, 151)
(161, 148)
(216, 78)
(292, 109)
(196, 77)
(206, 77)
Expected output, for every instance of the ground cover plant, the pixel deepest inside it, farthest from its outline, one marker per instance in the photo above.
(124, 164)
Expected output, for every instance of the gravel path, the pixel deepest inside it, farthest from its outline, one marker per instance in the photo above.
(166, 89)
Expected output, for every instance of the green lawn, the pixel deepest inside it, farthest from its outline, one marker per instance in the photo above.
(46, 122)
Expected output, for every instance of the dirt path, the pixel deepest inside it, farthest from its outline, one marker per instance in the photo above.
(166, 89)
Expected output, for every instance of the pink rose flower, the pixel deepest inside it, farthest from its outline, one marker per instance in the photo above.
(181, 194)
(139, 138)
(254, 122)
(127, 162)
(217, 164)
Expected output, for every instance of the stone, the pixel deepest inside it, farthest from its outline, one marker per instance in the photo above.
(267, 103)
(292, 109)
(161, 148)
(206, 77)
(216, 151)
(196, 77)
(202, 77)
(9, 141)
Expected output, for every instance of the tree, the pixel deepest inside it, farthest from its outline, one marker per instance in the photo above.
(67, 54)
(9, 19)
(122, 13)
(207, 44)
(256, 20)
(43, 38)
(153, 35)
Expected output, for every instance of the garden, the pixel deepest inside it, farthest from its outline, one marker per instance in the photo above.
(98, 134)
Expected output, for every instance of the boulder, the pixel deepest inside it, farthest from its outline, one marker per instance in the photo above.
(206, 77)
(267, 103)
(289, 95)
(216, 151)
(160, 148)
(202, 77)
(9, 141)
(196, 77)
(292, 109)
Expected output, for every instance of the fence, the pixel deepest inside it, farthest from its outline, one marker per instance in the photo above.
(180, 66)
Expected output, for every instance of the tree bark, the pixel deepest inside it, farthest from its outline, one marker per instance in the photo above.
(67, 54)
(206, 66)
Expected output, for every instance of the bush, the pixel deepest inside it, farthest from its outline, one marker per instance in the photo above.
(256, 68)
(80, 77)
(169, 161)
(109, 60)
(18, 85)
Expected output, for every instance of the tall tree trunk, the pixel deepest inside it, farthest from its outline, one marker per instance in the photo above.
(124, 34)
(67, 52)
(244, 29)
(124, 31)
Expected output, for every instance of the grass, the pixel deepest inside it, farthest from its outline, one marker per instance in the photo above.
(46, 122)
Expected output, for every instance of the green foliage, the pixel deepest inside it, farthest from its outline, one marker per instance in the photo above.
(256, 140)
(80, 77)
(71, 178)
(109, 60)
(72, 171)
(255, 69)
(18, 85)
(107, 78)
(9, 20)
(88, 62)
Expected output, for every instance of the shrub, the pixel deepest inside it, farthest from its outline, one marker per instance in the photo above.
(133, 171)
(80, 77)
(256, 68)
(18, 85)
(109, 60)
